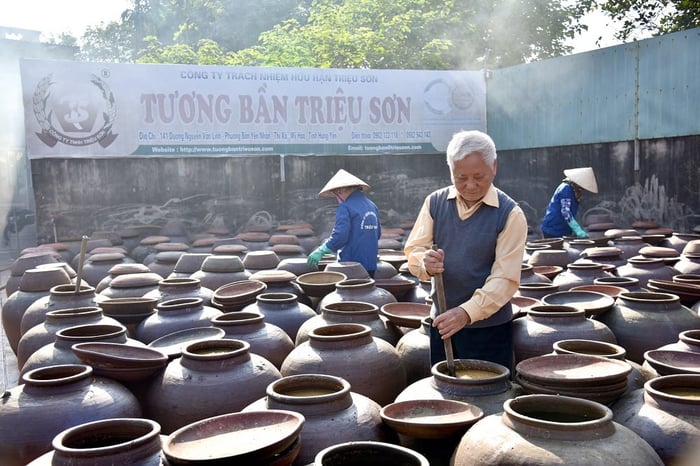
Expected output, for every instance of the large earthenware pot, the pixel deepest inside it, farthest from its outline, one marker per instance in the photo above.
(219, 270)
(52, 399)
(351, 312)
(60, 350)
(646, 321)
(265, 339)
(211, 378)
(25, 262)
(644, 268)
(688, 340)
(358, 289)
(351, 352)
(629, 245)
(181, 287)
(635, 379)
(60, 297)
(283, 310)
(173, 315)
(332, 411)
(543, 325)
(281, 281)
(579, 273)
(106, 442)
(414, 350)
(120, 269)
(665, 413)
(536, 290)
(45, 333)
(549, 430)
(164, 262)
(35, 284)
(482, 383)
(132, 285)
(187, 264)
(97, 266)
(528, 275)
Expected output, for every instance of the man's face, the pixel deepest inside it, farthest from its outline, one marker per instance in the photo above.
(472, 177)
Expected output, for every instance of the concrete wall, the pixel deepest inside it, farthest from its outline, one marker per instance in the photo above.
(86, 195)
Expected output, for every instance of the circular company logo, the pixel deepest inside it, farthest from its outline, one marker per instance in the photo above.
(74, 113)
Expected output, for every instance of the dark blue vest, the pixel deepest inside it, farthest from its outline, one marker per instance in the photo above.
(470, 248)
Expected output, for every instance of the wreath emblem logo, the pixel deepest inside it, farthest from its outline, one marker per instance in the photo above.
(73, 117)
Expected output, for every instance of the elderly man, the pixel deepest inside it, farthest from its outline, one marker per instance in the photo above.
(480, 235)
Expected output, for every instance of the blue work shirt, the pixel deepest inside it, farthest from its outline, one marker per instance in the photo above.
(356, 231)
(561, 209)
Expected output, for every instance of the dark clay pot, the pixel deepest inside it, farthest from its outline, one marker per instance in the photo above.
(488, 391)
(351, 352)
(213, 377)
(180, 287)
(35, 284)
(332, 412)
(283, 310)
(174, 315)
(265, 339)
(414, 350)
(543, 325)
(665, 413)
(549, 430)
(52, 399)
(352, 312)
(105, 443)
(646, 321)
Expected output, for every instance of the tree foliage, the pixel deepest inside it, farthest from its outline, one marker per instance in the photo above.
(410, 34)
(653, 16)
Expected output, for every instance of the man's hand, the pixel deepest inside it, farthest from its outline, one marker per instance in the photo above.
(451, 321)
(317, 255)
(434, 261)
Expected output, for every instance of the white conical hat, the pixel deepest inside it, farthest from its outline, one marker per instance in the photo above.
(342, 179)
(583, 177)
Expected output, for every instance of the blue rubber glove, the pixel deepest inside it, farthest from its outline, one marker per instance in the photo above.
(317, 255)
(576, 228)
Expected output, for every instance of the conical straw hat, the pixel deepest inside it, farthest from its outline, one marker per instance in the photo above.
(583, 177)
(342, 179)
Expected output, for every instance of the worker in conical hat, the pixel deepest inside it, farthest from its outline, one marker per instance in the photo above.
(356, 232)
(560, 217)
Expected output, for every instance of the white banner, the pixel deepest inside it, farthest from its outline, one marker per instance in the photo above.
(79, 109)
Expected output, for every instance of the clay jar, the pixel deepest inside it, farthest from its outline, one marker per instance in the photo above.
(173, 315)
(132, 285)
(25, 262)
(688, 340)
(536, 290)
(665, 413)
(357, 453)
(181, 287)
(552, 429)
(370, 364)
(629, 245)
(646, 321)
(60, 297)
(414, 350)
(189, 263)
(35, 284)
(106, 442)
(528, 275)
(52, 399)
(358, 289)
(579, 273)
(481, 383)
(281, 281)
(265, 339)
(60, 351)
(635, 379)
(97, 266)
(543, 325)
(644, 268)
(120, 269)
(332, 412)
(45, 333)
(352, 312)
(283, 310)
(212, 377)
(218, 270)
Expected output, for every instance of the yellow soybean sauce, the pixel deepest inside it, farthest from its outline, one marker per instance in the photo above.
(308, 391)
(685, 392)
(474, 374)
